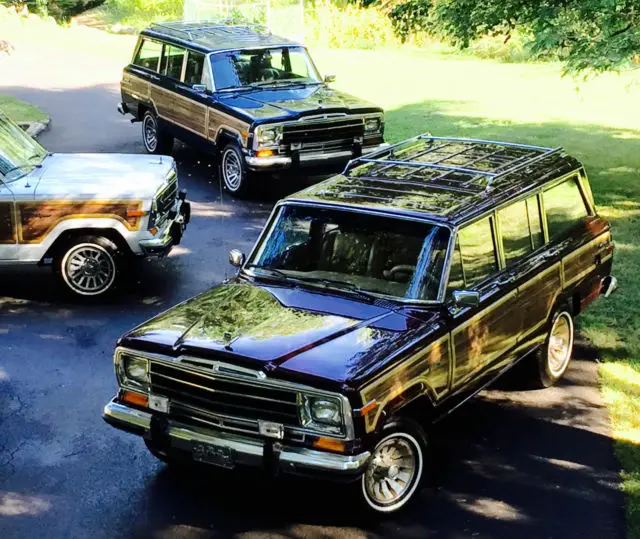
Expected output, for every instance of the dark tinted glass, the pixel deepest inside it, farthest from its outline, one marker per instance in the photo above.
(535, 223)
(149, 54)
(564, 207)
(195, 64)
(456, 275)
(478, 253)
(380, 254)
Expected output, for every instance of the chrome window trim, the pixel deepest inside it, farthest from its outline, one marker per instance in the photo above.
(260, 380)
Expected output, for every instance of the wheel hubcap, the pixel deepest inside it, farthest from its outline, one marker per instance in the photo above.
(560, 344)
(150, 132)
(231, 170)
(89, 269)
(391, 474)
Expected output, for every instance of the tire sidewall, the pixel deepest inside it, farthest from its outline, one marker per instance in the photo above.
(101, 244)
(547, 377)
(241, 189)
(146, 119)
(414, 434)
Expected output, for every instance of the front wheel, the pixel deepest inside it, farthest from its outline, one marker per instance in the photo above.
(233, 171)
(89, 265)
(395, 468)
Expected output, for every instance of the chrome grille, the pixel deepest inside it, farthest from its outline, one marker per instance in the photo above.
(213, 398)
(330, 146)
(306, 132)
(166, 198)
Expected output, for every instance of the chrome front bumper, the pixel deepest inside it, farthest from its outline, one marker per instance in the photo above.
(247, 451)
(306, 159)
(172, 232)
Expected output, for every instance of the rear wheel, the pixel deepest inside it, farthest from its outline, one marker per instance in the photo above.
(396, 467)
(553, 358)
(156, 140)
(89, 265)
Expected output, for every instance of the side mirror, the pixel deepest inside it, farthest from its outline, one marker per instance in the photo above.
(236, 258)
(202, 88)
(466, 298)
(329, 78)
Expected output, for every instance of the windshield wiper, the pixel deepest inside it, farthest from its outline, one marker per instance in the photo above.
(274, 272)
(20, 167)
(341, 285)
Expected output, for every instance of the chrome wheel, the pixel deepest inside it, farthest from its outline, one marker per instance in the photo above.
(393, 473)
(88, 269)
(560, 344)
(231, 170)
(150, 133)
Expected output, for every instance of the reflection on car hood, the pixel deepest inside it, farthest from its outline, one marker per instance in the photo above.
(107, 176)
(280, 328)
(290, 103)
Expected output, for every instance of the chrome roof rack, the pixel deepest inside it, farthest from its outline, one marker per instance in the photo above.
(203, 29)
(448, 163)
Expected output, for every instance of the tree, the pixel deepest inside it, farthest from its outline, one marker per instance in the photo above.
(589, 35)
(61, 10)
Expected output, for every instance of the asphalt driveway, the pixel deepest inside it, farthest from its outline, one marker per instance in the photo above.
(511, 464)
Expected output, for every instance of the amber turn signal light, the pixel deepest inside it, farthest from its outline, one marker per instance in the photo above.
(264, 153)
(330, 444)
(136, 213)
(370, 406)
(138, 399)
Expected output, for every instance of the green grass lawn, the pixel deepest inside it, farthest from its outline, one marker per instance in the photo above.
(598, 122)
(20, 111)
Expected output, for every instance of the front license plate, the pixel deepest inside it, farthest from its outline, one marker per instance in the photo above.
(213, 454)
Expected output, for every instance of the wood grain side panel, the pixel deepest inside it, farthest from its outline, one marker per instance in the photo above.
(180, 110)
(428, 370)
(7, 223)
(582, 261)
(135, 85)
(37, 219)
(219, 121)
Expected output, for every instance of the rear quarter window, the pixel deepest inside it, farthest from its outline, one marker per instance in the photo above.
(148, 55)
(564, 207)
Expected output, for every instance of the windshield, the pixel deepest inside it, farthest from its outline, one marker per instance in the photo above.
(19, 153)
(379, 254)
(263, 67)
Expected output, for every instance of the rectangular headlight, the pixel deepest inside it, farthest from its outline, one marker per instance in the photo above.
(321, 413)
(267, 135)
(372, 125)
(133, 371)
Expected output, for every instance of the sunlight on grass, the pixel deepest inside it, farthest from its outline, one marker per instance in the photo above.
(20, 111)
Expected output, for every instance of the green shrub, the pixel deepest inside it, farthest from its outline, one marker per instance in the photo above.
(351, 26)
(61, 10)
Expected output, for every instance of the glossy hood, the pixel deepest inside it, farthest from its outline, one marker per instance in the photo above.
(100, 176)
(277, 104)
(297, 332)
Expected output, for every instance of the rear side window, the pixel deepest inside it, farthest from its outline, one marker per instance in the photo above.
(520, 229)
(172, 61)
(193, 72)
(477, 251)
(148, 54)
(564, 207)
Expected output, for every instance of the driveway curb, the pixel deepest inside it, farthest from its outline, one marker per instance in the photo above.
(34, 129)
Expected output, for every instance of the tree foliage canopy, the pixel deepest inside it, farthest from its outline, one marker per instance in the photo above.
(590, 35)
(61, 10)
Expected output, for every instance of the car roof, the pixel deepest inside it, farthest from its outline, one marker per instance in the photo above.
(218, 36)
(445, 179)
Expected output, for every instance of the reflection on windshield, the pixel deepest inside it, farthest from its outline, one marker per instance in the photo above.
(394, 257)
(19, 153)
(263, 67)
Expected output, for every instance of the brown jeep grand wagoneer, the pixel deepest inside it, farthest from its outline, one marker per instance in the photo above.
(373, 304)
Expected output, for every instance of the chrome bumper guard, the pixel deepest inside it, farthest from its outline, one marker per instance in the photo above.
(247, 451)
(609, 285)
(310, 159)
(173, 232)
